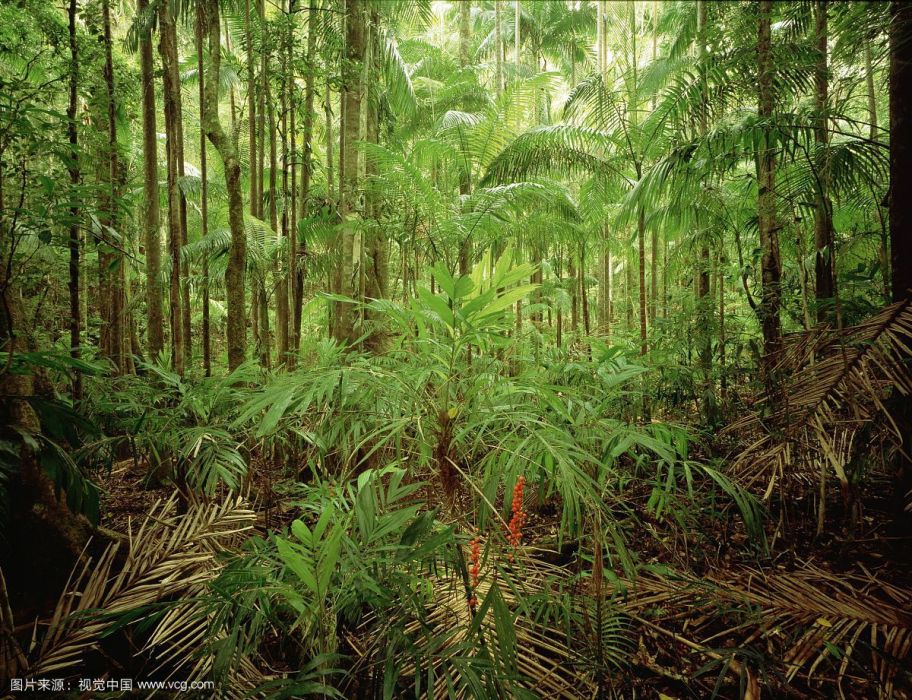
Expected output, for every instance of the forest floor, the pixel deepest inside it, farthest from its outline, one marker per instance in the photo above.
(666, 664)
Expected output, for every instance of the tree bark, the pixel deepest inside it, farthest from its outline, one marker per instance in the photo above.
(75, 178)
(377, 243)
(348, 165)
(825, 286)
(204, 194)
(704, 302)
(465, 177)
(281, 284)
(251, 113)
(237, 256)
(112, 263)
(151, 215)
(167, 49)
(770, 300)
(306, 170)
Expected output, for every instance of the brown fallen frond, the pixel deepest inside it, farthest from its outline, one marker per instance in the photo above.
(167, 557)
(804, 615)
(544, 662)
(832, 384)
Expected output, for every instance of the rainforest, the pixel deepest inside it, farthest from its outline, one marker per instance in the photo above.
(456, 349)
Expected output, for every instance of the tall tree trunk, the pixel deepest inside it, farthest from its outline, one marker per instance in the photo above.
(251, 112)
(262, 84)
(151, 215)
(584, 290)
(825, 287)
(604, 296)
(306, 168)
(272, 127)
(704, 301)
(723, 380)
(654, 238)
(200, 31)
(641, 244)
(770, 300)
(167, 48)
(112, 263)
(377, 243)
(465, 176)
(75, 177)
(348, 164)
(288, 282)
(237, 256)
(281, 285)
(574, 291)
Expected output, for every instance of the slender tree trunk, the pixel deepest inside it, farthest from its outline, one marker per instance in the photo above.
(262, 84)
(377, 245)
(825, 287)
(465, 177)
(288, 283)
(348, 164)
(704, 301)
(723, 380)
(167, 48)
(766, 203)
(306, 168)
(641, 243)
(113, 323)
(584, 290)
(375, 257)
(606, 276)
(251, 112)
(152, 219)
(654, 239)
(237, 256)
(872, 96)
(204, 194)
(75, 178)
(281, 285)
(604, 303)
(641, 214)
(574, 292)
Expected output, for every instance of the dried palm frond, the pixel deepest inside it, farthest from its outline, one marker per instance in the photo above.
(170, 555)
(832, 383)
(448, 632)
(804, 616)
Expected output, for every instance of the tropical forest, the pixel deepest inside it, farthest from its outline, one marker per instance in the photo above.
(456, 349)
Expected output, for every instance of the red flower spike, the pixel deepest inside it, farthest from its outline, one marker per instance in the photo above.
(474, 571)
(518, 519)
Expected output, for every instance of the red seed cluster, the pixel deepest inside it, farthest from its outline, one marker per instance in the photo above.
(519, 515)
(474, 570)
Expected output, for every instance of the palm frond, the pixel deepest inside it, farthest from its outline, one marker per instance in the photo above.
(168, 555)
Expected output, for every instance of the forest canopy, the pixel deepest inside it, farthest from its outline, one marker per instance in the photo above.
(468, 348)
